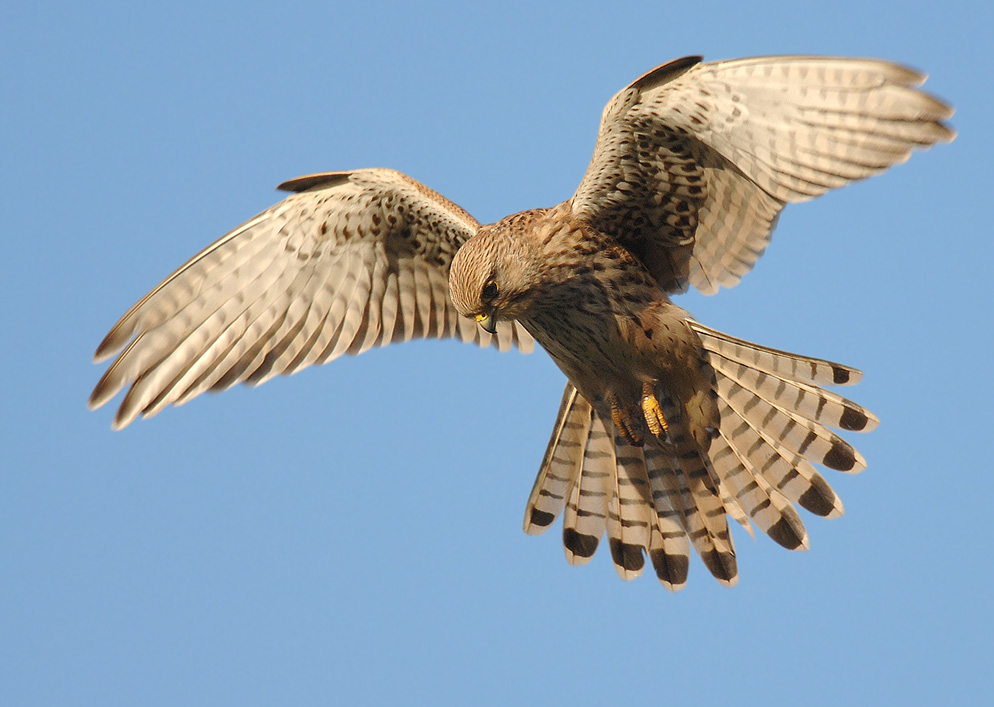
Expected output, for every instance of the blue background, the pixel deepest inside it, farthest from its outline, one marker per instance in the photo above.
(352, 534)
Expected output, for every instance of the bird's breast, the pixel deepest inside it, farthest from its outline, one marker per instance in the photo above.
(588, 326)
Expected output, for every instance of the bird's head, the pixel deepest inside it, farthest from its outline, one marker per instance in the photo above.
(493, 274)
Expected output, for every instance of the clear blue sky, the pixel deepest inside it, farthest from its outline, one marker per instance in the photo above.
(352, 535)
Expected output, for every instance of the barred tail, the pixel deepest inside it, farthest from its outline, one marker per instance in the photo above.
(775, 420)
(662, 498)
(648, 500)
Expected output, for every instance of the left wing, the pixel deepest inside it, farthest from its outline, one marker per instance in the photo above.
(694, 162)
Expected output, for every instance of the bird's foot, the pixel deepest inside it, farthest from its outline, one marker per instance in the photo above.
(654, 417)
(629, 425)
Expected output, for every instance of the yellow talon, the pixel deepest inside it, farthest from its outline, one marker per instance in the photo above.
(654, 417)
(625, 424)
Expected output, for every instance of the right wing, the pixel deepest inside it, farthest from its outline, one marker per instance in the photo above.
(351, 260)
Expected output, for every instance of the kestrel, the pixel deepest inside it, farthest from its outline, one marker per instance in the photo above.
(666, 427)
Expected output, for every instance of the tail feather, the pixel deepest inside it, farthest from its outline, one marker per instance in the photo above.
(815, 404)
(704, 513)
(768, 508)
(772, 361)
(775, 420)
(810, 440)
(777, 426)
(787, 471)
(702, 516)
(669, 544)
(715, 547)
(789, 431)
(629, 514)
(585, 518)
(561, 464)
(669, 551)
(733, 507)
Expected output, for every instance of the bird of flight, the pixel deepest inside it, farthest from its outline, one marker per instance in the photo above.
(667, 428)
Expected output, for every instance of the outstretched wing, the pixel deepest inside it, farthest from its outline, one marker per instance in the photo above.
(351, 260)
(694, 162)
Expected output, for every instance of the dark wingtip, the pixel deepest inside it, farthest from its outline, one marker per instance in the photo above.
(666, 73)
(112, 343)
(102, 391)
(321, 180)
(103, 351)
(94, 401)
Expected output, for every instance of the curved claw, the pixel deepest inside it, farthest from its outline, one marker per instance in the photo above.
(654, 417)
(629, 426)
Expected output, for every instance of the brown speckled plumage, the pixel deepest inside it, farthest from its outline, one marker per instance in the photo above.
(666, 427)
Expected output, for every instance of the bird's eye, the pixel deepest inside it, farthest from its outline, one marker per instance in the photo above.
(489, 291)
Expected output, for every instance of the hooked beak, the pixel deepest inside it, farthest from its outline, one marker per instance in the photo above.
(487, 320)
